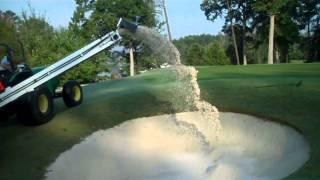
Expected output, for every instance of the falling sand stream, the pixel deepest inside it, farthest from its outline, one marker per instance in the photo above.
(198, 143)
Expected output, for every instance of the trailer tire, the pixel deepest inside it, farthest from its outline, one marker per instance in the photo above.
(72, 93)
(36, 107)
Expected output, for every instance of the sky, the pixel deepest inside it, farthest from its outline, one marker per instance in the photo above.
(185, 16)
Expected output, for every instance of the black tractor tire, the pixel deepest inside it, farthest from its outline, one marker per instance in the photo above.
(72, 93)
(36, 107)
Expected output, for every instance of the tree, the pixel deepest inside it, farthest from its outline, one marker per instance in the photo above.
(36, 35)
(307, 13)
(271, 8)
(64, 43)
(215, 9)
(295, 52)
(96, 18)
(8, 30)
(45, 45)
(215, 55)
(308, 18)
(106, 13)
(184, 44)
(195, 55)
(314, 46)
(240, 12)
(287, 34)
(80, 18)
(232, 30)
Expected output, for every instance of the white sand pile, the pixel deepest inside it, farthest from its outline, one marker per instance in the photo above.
(158, 148)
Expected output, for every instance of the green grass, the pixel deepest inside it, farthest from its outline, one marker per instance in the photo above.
(261, 90)
(272, 92)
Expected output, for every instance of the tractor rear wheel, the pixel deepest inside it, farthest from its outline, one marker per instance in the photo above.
(37, 108)
(72, 93)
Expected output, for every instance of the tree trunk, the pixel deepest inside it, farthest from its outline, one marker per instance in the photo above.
(233, 35)
(271, 39)
(235, 44)
(308, 33)
(259, 55)
(244, 59)
(286, 55)
(131, 62)
(244, 54)
(277, 53)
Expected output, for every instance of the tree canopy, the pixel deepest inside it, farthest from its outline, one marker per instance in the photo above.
(292, 19)
(203, 49)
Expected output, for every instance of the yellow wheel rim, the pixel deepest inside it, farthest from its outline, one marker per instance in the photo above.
(43, 103)
(77, 93)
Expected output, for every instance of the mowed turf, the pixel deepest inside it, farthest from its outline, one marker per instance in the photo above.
(288, 94)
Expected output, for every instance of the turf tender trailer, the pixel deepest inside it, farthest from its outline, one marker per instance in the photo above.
(24, 91)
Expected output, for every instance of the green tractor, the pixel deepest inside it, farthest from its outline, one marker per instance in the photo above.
(36, 107)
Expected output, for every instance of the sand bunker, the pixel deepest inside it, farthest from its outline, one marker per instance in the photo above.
(158, 148)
